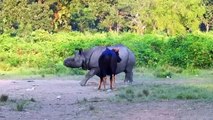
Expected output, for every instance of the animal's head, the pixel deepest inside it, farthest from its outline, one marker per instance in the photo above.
(116, 50)
(76, 61)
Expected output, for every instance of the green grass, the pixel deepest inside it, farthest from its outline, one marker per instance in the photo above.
(181, 86)
(148, 92)
(22, 104)
(40, 72)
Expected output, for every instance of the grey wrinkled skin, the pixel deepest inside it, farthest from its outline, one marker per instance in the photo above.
(88, 60)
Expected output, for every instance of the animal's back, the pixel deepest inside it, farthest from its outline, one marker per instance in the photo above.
(105, 62)
(124, 53)
(108, 62)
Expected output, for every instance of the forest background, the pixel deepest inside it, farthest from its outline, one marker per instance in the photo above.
(37, 35)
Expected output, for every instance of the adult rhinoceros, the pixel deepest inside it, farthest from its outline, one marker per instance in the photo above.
(88, 60)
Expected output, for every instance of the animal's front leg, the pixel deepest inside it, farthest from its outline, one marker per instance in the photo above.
(90, 74)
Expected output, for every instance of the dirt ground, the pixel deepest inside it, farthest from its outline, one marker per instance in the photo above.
(62, 98)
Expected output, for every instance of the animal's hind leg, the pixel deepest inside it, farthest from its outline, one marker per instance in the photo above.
(128, 76)
(111, 81)
(99, 86)
(113, 78)
(104, 82)
(128, 72)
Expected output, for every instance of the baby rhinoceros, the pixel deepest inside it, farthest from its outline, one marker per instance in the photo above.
(108, 65)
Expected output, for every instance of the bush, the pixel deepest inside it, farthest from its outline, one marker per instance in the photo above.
(46, 52)
(162, 73)
(190, 51)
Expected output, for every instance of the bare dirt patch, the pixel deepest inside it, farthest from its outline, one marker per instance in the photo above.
(62, 98)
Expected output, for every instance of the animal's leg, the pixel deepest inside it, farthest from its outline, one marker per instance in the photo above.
(128, 76)
(111, 82)
(90, 74)
(104, 80)
(129, 69)
(101, 80)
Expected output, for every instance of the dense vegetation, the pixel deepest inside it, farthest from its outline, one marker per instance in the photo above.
(45, 52)
(169, 17)
(36, 35)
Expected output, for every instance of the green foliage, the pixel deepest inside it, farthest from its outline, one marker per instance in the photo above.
(208, 16)
(19, 17)
(162, 73)
(20, 106)
(168, 17)
(191, 51)
(43, 53)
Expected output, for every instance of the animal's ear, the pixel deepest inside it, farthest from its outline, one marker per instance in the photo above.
(79, 50)
(117, 49)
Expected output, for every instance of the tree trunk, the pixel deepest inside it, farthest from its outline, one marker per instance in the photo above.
(110, 28)
(207, 27)
(55, 17)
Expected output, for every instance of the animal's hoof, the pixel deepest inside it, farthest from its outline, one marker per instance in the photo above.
(130, 82)
(127, 82)
(82, 83)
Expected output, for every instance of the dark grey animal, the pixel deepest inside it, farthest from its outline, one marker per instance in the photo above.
(108, 65)
(88, 60)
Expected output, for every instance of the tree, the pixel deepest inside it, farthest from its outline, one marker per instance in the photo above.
(142, 16)
(61, 13)
(171, 16)
(82, 15)
(22, 17)
(208, 16)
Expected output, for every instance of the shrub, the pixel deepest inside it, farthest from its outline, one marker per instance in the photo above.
(20, 106)
(190, 51)
(162, 72)
(46, 52)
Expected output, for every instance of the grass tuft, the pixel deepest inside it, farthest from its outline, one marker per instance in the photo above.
(91, 107)
(20, 106)
(32, 100)
(146, 92)
(4, 98)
